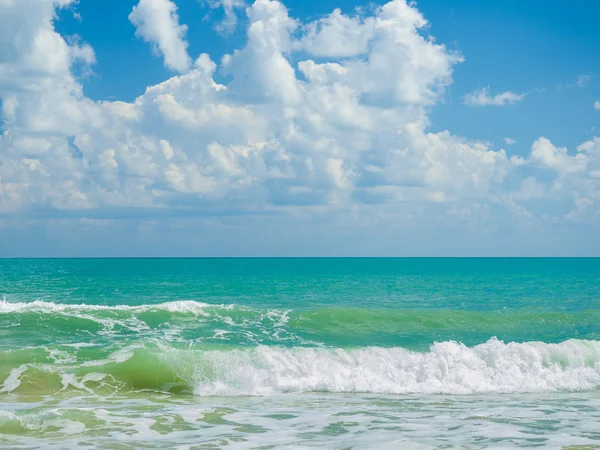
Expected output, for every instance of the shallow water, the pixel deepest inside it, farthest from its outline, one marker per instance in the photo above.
(300, 353)
(309, 420)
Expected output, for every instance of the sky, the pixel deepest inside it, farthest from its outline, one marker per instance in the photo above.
(299, 128)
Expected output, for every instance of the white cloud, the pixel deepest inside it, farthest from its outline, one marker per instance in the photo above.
(338, 35)
(228, 24)
(545, 154)
(346, 133)
(482, 97)
(509, 141)
(597, 105)
(583, 80)
(157, 22)
(575, 183)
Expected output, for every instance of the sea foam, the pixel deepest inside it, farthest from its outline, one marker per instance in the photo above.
(447, 368)
(182, 306)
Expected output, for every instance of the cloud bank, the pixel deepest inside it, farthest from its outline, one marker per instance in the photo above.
(328, 118)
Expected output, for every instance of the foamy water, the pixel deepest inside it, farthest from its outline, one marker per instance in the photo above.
(308, 421)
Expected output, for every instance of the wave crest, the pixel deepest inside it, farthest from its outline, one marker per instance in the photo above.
(447, 368)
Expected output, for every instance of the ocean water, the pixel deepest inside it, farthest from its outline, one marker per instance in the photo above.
(299, 353)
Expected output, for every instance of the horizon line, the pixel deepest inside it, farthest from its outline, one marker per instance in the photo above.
(298, 257)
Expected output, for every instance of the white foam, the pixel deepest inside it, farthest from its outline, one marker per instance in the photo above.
(118, 320)
(448, 368)
(182, 306)
(69, 379)
(117, 357)
(61, 356)
(13, 380)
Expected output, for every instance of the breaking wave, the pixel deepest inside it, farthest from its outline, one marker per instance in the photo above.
(447, 368)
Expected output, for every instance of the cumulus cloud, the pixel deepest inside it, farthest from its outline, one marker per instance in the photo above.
(338, 35)
(330, 115)
(597, 105)
(574, 181)
(482, 97)
(509, 141)
(545, 154)
(157, 22)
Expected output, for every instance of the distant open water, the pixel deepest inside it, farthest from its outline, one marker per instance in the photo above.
(299, 353)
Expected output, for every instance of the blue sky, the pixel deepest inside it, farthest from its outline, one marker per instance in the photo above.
(507, 45)
(310, 138)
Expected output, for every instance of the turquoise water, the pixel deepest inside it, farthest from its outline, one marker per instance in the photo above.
(299, 353)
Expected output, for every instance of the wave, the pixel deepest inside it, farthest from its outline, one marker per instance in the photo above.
(316, 317)
(447, 368)
(188, 320)
(183, 306)
(176, 321)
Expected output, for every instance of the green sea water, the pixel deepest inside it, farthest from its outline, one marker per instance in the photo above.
(299, 353)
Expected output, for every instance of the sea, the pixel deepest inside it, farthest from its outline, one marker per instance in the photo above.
(285, 353)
